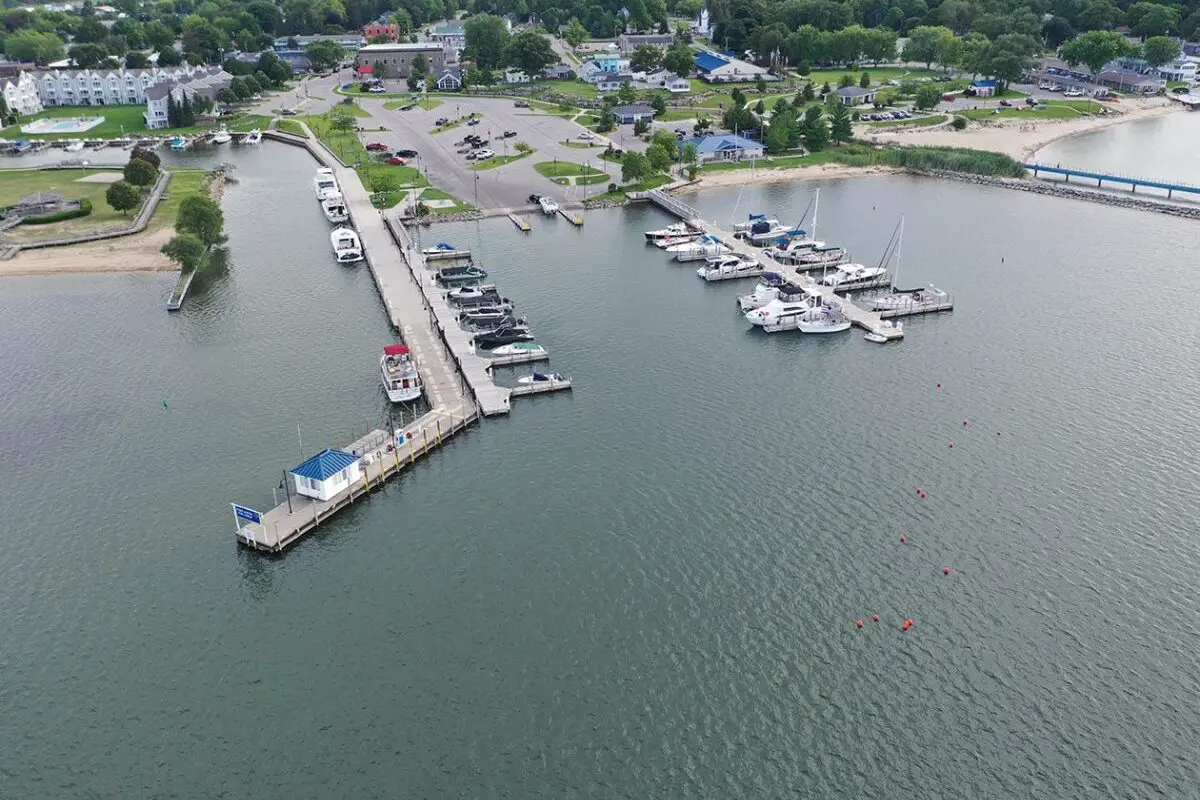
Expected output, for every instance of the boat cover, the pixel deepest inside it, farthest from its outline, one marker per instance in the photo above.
(396, 350)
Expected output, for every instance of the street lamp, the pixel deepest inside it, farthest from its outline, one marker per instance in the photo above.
(477, 190)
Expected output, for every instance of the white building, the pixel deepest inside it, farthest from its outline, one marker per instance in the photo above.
(326, 474)
(201, 84)
(665, 80)
(21, 95)
(515, 76)
(106, 87)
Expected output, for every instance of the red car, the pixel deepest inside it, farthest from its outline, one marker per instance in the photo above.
(376, 147)
(398, 161)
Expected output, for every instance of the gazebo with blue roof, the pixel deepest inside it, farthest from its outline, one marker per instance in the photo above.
(326, 474)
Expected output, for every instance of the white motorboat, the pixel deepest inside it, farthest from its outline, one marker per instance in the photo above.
(668, 242)
(527, 349)
(461, 294)
(785, 311)
(740, 228)
(762, 234)
(703, 248)
(346, 246)
(764, 292)
(678, 229)
(549, 207)
(877, 338)
(542, 377)
(334, 207)
(438, 249)
(910, 299)
(823, 320)
(324, 183)
(723, 268)
(852, 274)
(817, 257)
(793, 248)
(253, 137)
(222, 136)
(75, 146)
(399, 374)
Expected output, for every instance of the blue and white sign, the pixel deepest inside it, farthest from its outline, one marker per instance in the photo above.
(400, 438)
(248, 514)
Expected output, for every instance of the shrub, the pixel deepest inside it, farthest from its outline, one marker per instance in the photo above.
(612, 188)
(958, 123)
(85, 208)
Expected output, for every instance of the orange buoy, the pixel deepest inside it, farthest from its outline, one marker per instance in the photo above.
(875, 618)
(858, 622)
(908, 623)
(945, 570)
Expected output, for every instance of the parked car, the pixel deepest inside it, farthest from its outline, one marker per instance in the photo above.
(1077, 93)
(377, 147)
(377, 90)
(441, 121)
(587, 135)
(943, 79)
(405, 154)
(287, 112)
(472, 121)
(408, 107)
(1029, 101)
(483, 155)
(520, 104)
(533, 198)
(397, 161)
(1006, 104)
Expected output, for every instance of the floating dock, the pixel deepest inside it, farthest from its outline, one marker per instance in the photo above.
(574, 219)
(448, 255)
(520, 223)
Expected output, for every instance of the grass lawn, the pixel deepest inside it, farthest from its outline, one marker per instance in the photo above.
(574, 88)
(1032, 115)
(428, 103)
(552, 169)
(653, 182)
(499, 161)
(184, 183)
(454, 123)
(582, 145)
(591, 180)
(292, 127)
(431, 193)
(124, 121)
(918, 122)
(674, 115)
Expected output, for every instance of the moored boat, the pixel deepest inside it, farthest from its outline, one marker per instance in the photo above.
(817, 257)
(460, 274)
(741, 228)
(253, 137)
(762, 233)
(703, 248)
(678, 229)
(439, 249)
(668, 242)
(75, 146)
(222, 136)
(724, 268)
(399, 374)
(823, 320)
(346, 246)
(178, 143)
(334, 208)
(527, 349)
(542, 377)
(766, 290)
(476, 297)
(785, 311)
(791, 248)
(324, 183)
(506, 335)
(852, 275)
(910, 299)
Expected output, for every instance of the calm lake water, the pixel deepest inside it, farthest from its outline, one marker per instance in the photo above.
(644, 588)
(1163, 148)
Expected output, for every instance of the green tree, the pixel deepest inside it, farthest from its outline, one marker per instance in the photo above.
(158, 36)
(226, 96)
(575, 34)
(923, 43)
(807, 94)
(640, 127)
(606, 120)
(136, 61)
(815, 130)
(324, 55)
(864, 80)
(87, 56)
(530, 52)
(187, 111)
(680, 59)
(1159, 50)
(185, 249)
(880, 45)
(149, 156)
(1151, 19)
(782, 130)
(200, 216)
(689, 154)
(341, 120)
(634, 166)
(928, 96)
(658, 101)
(140, 173)
(845, 80)
(486, 38)
(645, 58)
(202, 39)
(1095, 49)
(760, 85)
(122, 196)
(172, 111)
(660, 158)
(626, 94)
(839, 124)
(169, 57)
(32, 45)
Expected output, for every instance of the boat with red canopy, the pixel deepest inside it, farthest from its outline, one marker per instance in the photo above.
(399, 374)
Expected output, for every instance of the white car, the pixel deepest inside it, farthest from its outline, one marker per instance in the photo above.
(481, 155)
(1072, 93)
(377, 90)
(587, 135)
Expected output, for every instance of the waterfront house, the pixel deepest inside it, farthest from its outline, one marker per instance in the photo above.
(984, 88)
(21, 94)
(719, 147)
(109, 87)
(204, 85)
(628, 115)
(514, 76)
(397, 58)
(557, 72)
(855, 95)
(327, 473)
(666, 80)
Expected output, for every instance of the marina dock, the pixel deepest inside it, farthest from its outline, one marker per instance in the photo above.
(541, 387)
(520, 223)
(574, 219)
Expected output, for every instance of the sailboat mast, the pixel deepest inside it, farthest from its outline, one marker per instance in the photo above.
(816, 205)
(899, 242)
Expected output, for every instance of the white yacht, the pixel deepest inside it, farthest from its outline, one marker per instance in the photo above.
(910, 299)
(543, 377)
(678, 229)
(740, 229)
(549, 207)
(785, 311)
(852, 274)
(668, 242)
(324, 182)
(75, 146)
(724, 268)
(817, 257)
(528, 350)
(823, 320)
(222, 136)
(766, 290)
(703, 248)
(346, 246)
(795, 247)
(399, 374)
(763, 235)
(334, 206)
(253, 137)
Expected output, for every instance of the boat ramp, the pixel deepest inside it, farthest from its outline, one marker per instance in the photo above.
(872, 321)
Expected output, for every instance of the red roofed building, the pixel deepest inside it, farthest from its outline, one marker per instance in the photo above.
(391, 30)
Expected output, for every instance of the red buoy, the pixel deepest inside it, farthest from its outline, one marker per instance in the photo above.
(875, 618)
(903, 539)
(966, 422)
(945, 570)
(939, 386)
(858, 622)
(952, 443)
(907, 624)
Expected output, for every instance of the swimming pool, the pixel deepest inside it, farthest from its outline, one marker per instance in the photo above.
(62, 125)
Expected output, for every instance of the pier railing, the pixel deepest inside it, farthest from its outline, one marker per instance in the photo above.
(670, 204)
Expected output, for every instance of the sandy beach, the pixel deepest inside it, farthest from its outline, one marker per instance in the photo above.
(137, 253)
(1021, 139)
(737, 177)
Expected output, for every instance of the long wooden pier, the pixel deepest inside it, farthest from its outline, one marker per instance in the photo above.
(868, 320)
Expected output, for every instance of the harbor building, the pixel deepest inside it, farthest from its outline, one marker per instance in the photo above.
(327, 473)
(397, 58)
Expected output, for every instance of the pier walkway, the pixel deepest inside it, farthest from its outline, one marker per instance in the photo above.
(1101, 177)
(868, 320)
